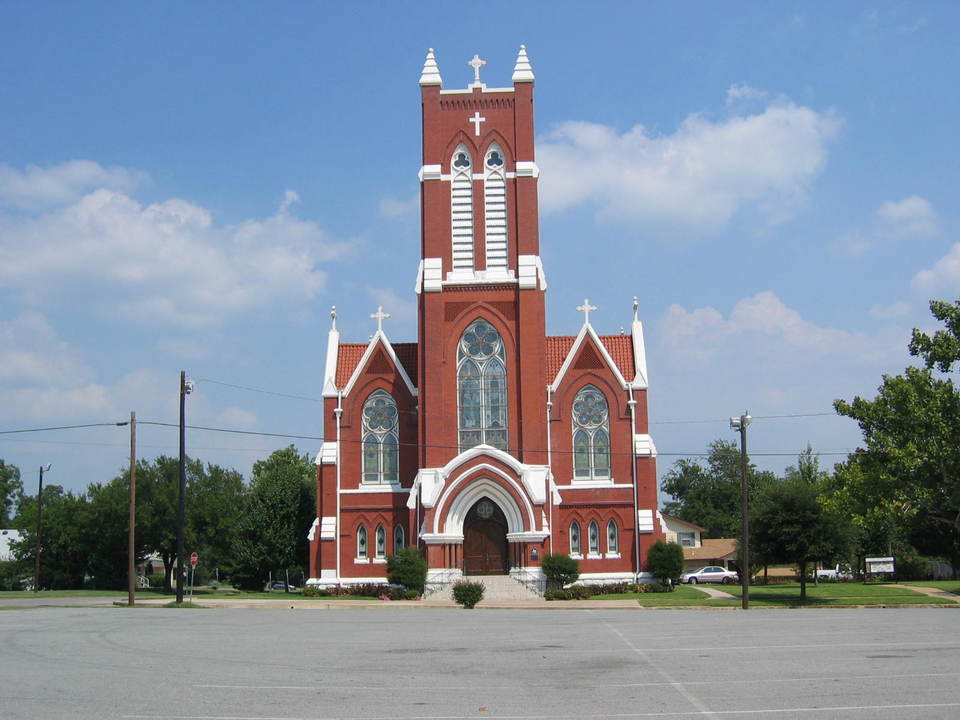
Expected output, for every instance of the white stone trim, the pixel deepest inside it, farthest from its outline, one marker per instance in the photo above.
(482, 487)
(361, 561)
(640, 378)
(645, 521)
(431, 480)
(441, 538)
(594, 556)
(529, 536)
(313, 529)
(379, 337)
(530, 272)
(430, 275)
(330, 366)
(643, 446)
(327, 454)
(612, 556)
(469, 90)
(378, 561)
(527, 168)
(593, 485)
(375, 488)
(431, 172)
(602, 578)
(328, 528)
(480, 277)
(430, 75)
(587, 329)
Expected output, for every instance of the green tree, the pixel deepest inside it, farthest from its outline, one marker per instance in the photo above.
(64, 540)
(11, 488)
(278, 512)
(788, 524)
(408, 568)
(560, 569)
(665, 561)
(710, 496)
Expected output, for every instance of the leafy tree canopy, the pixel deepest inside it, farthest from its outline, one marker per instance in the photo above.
(710, 496)
(10, 489)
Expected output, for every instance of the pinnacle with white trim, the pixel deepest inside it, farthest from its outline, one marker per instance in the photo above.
(522, 71)
(431, 72)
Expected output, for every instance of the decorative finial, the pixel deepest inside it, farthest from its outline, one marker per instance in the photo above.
(586, 308)
(333, 317)
(522, 71)
(380, 316)
(476, 63)
(431, 73)
(636, 309)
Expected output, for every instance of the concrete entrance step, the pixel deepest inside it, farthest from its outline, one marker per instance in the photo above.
(497, 588)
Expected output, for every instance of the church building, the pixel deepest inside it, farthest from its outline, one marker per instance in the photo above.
(486, 443)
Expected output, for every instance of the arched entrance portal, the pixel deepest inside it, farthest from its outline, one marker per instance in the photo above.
(485, 540)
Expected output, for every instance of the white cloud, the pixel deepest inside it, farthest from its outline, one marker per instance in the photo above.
(392, 207)
(35, 187)
(913, 216)
(167, 262)
(944, 276)
(741, 91)
(761, 326)
(897, 309)
(694, 180)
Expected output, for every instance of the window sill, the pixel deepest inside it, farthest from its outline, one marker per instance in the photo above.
(379, 561)
(594, 556)
(612, 556)
(361, 561)
(576, 556)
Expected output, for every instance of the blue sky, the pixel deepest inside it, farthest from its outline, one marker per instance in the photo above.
(192, 186)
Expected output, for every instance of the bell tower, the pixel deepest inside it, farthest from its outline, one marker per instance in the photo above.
(480, 259)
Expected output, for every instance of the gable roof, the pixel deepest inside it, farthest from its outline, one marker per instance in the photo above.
(620, 348)
(673, 519)
(712, 549)
(350, 355)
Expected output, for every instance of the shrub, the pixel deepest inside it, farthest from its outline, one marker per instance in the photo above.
(408, 568)
(155, 580)
(468, 593)
(665, 561)
(411, 594)
(912, 567)
(658, 588)
(560, 569)
(556, 595)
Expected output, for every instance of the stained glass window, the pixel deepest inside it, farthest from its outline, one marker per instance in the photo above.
(575, 538)
(381, 447)
(593, 535)
(482, 387)
(591, 434)
(399, 539)
(613, 538)
(381, 541)
(362, 542)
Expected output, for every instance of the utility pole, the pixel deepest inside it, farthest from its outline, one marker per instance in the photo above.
(186, 387)
(36, 569)
(740, 424)
(131, 533)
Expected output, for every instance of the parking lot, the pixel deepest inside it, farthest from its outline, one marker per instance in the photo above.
(431, 664)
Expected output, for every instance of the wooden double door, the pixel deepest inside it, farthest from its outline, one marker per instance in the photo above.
(485, 549)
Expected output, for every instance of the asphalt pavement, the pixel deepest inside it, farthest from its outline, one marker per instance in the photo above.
(217, 664)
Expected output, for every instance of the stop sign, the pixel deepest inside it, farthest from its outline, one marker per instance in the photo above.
(194, 559)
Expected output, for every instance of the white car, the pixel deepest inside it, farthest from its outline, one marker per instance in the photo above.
(711, 573)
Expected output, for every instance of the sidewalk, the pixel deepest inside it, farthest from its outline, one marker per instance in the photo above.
(932, 592)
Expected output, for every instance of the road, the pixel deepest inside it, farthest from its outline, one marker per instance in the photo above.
(220, 664)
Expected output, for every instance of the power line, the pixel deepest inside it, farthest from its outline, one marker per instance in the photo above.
(258, 390)
(64, 427)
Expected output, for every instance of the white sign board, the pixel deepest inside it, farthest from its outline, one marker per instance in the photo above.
(879, 564)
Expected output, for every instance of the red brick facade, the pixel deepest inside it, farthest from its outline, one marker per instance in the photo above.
(427, 483)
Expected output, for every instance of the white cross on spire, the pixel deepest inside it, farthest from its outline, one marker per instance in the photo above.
(476, 120)
(380, 316)
(476, 63)
(585, 309)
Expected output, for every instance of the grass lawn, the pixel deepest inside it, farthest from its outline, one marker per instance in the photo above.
(827, 594)
(4, 594)
(683, 595)
(152, 593)
(952, 586)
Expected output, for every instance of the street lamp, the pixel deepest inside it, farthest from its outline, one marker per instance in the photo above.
(740, 425)
(36, 569)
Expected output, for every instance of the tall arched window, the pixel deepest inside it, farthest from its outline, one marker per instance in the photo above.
(399, 539)
(362, 542)
(591, 435)
(593, 538)
(613, 538)
(482, 387)
(381, 448)
(495, 207)
(574, 538)
(381, 538)
(461, 208)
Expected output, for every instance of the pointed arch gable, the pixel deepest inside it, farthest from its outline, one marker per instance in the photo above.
(495, 136)
(460, 138)
(483, 481)
(588, 334)
(379, 342)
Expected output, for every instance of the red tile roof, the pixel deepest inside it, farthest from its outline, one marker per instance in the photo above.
(350, 354)
(620, 348)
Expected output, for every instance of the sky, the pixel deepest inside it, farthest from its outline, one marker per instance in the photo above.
(191, 186)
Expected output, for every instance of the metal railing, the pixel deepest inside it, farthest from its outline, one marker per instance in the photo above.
(531, 580)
